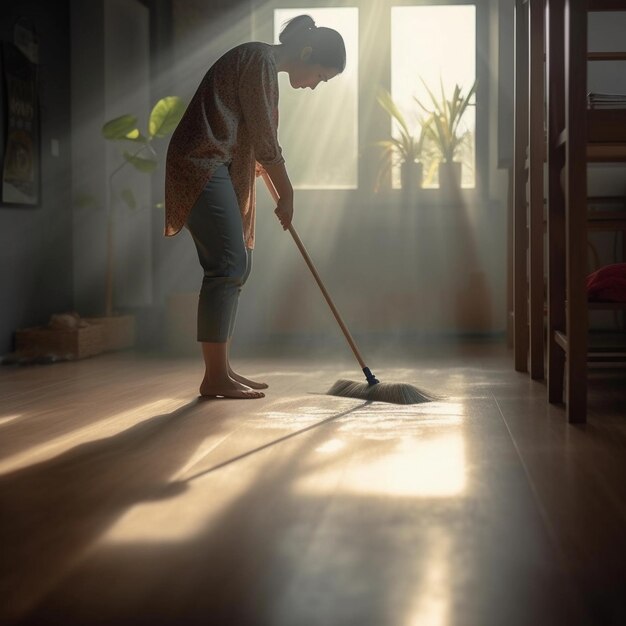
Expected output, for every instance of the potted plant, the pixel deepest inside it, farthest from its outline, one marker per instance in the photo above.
(163, 119)
(446, 132)
(405, 150)
(67, 335)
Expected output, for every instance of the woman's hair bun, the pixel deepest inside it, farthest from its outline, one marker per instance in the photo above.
(327, 44)
(296, 28)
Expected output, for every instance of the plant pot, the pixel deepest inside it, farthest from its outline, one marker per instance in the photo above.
(450, 179)
(411, 173)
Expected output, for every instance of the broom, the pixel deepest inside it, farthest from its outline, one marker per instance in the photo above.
(373, 389)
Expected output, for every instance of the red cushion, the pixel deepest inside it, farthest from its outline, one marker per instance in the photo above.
(608, 284)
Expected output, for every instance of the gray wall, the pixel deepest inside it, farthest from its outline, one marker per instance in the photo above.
(110, 77)
(36, 263)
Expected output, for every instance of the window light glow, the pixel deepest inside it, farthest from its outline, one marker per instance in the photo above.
(434, 43)
(430, 466)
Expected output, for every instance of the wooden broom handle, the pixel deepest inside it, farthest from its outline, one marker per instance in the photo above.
(309, 262)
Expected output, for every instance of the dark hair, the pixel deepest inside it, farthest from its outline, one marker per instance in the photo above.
(329, 49)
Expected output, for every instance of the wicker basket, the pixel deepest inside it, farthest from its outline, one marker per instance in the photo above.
(118, 331)
(75, 343)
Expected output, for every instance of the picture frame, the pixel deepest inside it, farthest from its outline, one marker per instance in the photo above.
(20, 130)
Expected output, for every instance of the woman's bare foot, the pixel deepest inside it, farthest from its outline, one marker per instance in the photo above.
(246, 381)
(228, 388)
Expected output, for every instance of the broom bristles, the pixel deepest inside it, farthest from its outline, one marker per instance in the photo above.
(395, 393)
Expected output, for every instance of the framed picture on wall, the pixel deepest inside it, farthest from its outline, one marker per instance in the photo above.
(20, 138)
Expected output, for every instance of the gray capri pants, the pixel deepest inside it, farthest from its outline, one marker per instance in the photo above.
(216, 227)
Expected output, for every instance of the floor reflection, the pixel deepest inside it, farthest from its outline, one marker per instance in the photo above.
(431, 602)
(5, 419)
(432, 465)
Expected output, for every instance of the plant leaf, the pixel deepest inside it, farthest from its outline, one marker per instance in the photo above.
(136, 136)
(386, 101)
(443, 126)
(119, 127)
(434, 100)
(165, 116)
(146, 166)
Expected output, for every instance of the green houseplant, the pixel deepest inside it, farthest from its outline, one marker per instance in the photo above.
(163, 119)
(445, 130)
(405, 150)
(67, 335)
(118, 331)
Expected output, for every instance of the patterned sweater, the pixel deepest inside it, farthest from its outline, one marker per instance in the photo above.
(232, 118)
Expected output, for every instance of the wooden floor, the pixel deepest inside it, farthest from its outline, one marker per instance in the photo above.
(125, 500)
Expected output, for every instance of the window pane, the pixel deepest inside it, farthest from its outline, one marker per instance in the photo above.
(318, 130)
(435, 43)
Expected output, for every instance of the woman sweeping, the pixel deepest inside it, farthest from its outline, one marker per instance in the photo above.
(227, 135)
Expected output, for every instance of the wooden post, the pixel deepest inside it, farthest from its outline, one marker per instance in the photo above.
(556, 200)
(576, 207)
(535, 185)
(520, 232)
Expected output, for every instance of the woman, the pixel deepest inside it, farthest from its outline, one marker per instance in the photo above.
(227, 135)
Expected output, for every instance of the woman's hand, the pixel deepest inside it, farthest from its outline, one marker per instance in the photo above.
(284, 212)
(258, 169)
(283, 193)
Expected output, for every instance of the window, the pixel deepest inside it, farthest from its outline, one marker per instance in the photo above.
(436, 44)
(330, 138)
(319, 138)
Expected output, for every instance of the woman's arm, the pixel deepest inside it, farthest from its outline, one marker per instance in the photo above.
(258, 94)
(280, 178)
